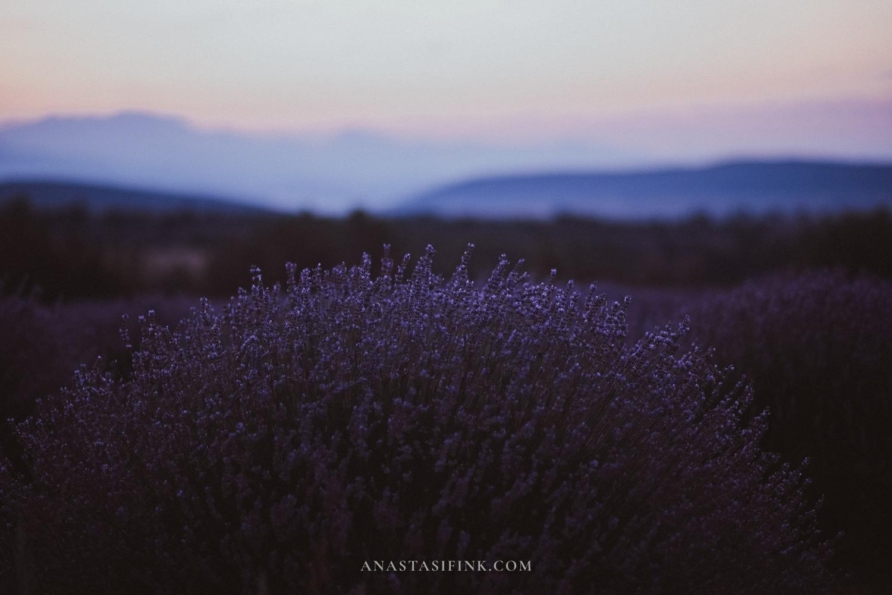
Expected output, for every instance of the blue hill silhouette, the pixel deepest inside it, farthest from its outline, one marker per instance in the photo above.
(719, 190)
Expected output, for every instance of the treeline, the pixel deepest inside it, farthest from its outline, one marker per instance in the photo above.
(73, 254)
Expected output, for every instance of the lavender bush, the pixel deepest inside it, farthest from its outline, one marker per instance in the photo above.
(43, 344)
(818, 351)
(40, 346)
(350, 417)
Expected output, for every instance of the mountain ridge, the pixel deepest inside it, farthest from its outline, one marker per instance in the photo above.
(328, 173)
(101, 198)
(719, 189)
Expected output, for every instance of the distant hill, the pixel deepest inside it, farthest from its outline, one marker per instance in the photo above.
(720, 190)
(100, 199)
(329, 173)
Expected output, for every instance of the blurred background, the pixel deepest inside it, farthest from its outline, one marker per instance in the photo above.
(166, 148)
(729, 161)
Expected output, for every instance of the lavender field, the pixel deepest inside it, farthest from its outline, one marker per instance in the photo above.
(305, 297)
(722, 436)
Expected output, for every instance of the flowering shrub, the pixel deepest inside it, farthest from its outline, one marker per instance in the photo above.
(351, 417)
(42, 345)
(818, 351)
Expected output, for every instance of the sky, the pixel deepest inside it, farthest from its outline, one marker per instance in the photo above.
(493, 70)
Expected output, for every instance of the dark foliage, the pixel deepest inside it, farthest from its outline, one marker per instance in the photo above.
(31, 354)
(74, 254)
(33, 257)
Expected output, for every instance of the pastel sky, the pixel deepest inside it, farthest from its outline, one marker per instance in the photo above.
(482, 69)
